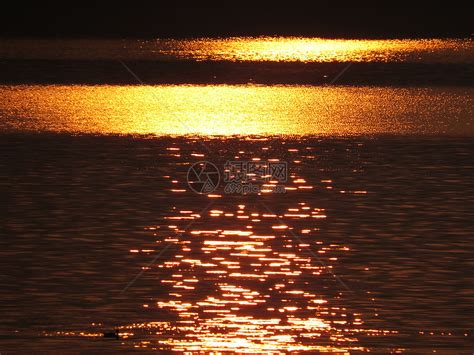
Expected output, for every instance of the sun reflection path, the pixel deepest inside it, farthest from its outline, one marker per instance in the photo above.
(229, 110)
(240, 281)
(292, 49)
(238, 289)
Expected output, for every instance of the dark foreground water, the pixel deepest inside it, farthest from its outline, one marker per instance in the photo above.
(370, 247)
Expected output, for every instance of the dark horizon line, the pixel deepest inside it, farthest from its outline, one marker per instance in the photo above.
(77, 36)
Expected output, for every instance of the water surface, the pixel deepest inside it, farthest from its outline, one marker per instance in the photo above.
(230, 110)
(254, 49)
(367, 248)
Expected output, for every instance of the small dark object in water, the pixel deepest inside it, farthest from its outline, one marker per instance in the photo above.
(114, 334)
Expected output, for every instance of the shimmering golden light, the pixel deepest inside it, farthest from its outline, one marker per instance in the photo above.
(288, 49)
(291, 49)
(241, 292)
(239, 110)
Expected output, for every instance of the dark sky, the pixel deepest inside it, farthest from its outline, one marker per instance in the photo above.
(162, 19)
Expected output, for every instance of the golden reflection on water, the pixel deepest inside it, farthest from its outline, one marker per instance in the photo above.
(300, 49)
(282, 49)
(243, 279)
(236, 110)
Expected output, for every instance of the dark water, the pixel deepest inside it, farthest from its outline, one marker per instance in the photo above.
(367, 246)
(373, 251)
